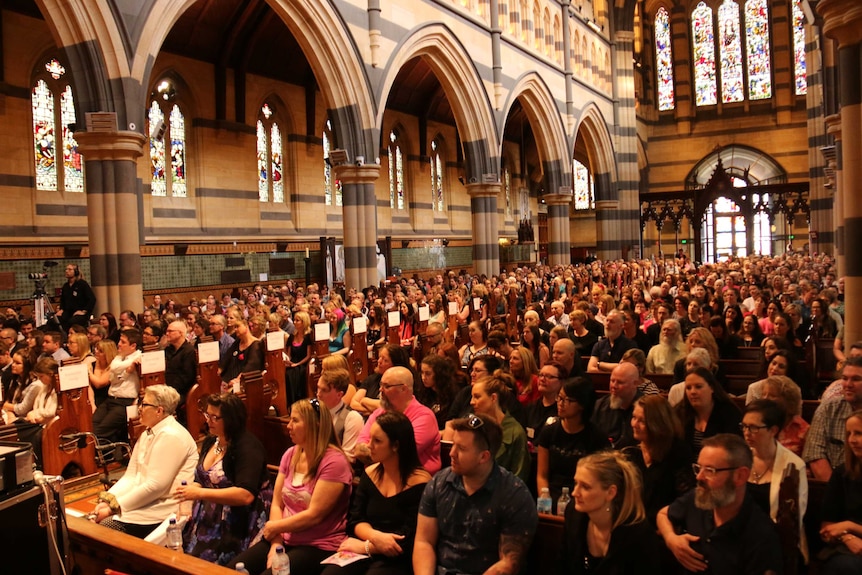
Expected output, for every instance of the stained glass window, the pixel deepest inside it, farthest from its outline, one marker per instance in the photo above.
(262, 173)
(43, 137)
(396, 173)
(331, 185)
(158, 186)
(178, 153)
(732, 88)
(704, 55)
(277, 165)
(507, 190)
(73, 165)
(757, 48)
(800, 71)
(585, 198)
(664, 61)
(436, 178)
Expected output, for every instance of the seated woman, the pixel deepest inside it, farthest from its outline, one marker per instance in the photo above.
(162, 458)
(565, 441)
(606, 530)
(339, 331)
(841, 528)
(382, 518)
(44, 406)
(231, 491)
(662, 456)
(438, 388)
(100, 379)
(22, 392)
(760, 426)
(531, 339)
(782, 390)
(706, 409)
(751, 334)
(478, 345)
(781, 363)
(490, 394)
(526, 373)
(245, 355)
(312, 490)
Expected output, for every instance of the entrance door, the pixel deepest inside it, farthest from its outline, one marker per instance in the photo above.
(724, 231)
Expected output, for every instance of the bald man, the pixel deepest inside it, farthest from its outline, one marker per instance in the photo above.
(180, 364)
(612, 414)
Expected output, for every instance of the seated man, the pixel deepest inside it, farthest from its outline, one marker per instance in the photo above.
(717, 526)
(164, 456)
(663, 357)
(396, 393)
(608, 352)
(612, 413)
(331, 387)
(474, 517)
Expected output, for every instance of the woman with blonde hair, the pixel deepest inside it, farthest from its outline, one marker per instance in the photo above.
(308, 516)
(104, 351)
(784, 391)
(605, 528)
(523, 366)
(298, 355)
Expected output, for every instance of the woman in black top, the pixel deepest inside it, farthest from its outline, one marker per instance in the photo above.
(606, 531)
(299, 354)
(245, 355)
(382, 518)
(706, 409)
(438, 388)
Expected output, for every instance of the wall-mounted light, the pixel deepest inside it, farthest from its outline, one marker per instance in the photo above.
(339, 157)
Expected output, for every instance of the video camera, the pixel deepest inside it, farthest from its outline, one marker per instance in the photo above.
(38, 276)
(41, 278)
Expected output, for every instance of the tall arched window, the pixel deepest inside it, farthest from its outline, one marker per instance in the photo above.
(584, 187)
(799, 68)
(437, 164)
(507, 191)
(664, 61)
(167, 124)
(270, 157)
(757, 46)
(732, 88)
(396, 172)
(52, 105)
(703, 34)
(537, 26)
(331, 185)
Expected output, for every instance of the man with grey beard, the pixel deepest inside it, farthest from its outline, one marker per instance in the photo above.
(717, 526)
(612, 414)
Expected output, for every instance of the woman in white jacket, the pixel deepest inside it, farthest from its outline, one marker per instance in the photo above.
(761, 425)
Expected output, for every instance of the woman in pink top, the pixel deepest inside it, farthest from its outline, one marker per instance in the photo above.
(309, 507)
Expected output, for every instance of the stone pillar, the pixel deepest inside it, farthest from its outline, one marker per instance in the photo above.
(842, 21)
(559, 243)
(113, 217)
(608, 247)
(833, 128)
(359, 207)
(483, 208)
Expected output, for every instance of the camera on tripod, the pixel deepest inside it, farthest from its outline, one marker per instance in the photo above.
(42, 310)
(38, 276)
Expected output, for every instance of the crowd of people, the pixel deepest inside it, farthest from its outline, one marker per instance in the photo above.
(514, 406)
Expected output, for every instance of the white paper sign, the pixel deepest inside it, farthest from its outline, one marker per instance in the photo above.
(393, 318)
(237, 388)
(74, 376)
(208, 352)
(321, 331)
(131, 411)
(453, 308)
(360, 325)
(153, 362)
(424, 313)
(477, 303)
(274, 340)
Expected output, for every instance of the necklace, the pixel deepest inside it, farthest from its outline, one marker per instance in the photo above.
(758, 476)
(219, 449)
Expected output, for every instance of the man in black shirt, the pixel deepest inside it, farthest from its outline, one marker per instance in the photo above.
(180, 364)
(77, 300)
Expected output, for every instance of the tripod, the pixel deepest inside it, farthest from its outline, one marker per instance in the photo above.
(43, 312)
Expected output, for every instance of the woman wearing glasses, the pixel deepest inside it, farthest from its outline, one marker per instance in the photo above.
(382, 518)
(309, 509)
(606, 530)
(760, 427)
(565, 441)
(231, 491)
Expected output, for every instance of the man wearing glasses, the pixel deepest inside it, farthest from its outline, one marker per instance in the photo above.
(181, 369)
(717, 526)
(475, 517)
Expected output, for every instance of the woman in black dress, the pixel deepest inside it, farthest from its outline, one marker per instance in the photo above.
(299, 353)
(245, 355)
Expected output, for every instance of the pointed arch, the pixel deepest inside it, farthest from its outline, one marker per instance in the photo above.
(594, 129)
(462, 84)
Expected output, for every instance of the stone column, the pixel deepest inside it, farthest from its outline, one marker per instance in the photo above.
(483, 208)
(559, 243)
(833, 128)
(842, 21)
(113, 217)
(360, 223)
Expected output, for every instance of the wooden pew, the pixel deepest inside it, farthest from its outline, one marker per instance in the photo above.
(513, 319)
(319, 350)
(96, 548)
(271, 430)
(358, 356)
(274, 375)
(155, 378)
(393, 321)
(74, 415)
(750, 353)
(208, 383)
(545, 550)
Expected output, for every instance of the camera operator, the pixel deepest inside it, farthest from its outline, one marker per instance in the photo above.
(77, 300)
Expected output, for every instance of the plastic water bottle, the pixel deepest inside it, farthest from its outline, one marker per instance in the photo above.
(281, 562)
(563, 501)
(184, 509)
(240, 568)
(543, 503)
(175, 536)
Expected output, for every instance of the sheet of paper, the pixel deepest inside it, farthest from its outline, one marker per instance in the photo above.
(274, 340)
(153, 362)
(360, 325)
(208, 352)
(74, 376)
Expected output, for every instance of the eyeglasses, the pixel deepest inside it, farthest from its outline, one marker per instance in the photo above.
(564, 399)
(752, 428)
(475, 423)
(709, 472)
(547, 376)
(316, 405)
(142, 403)
(213, 417)
(391, 386)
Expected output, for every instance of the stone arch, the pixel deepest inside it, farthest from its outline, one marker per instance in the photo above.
(461, 83)
(541, 109)
(594, 129)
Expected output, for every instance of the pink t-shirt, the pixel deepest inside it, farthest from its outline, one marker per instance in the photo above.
(328, 533)
(425, 431)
